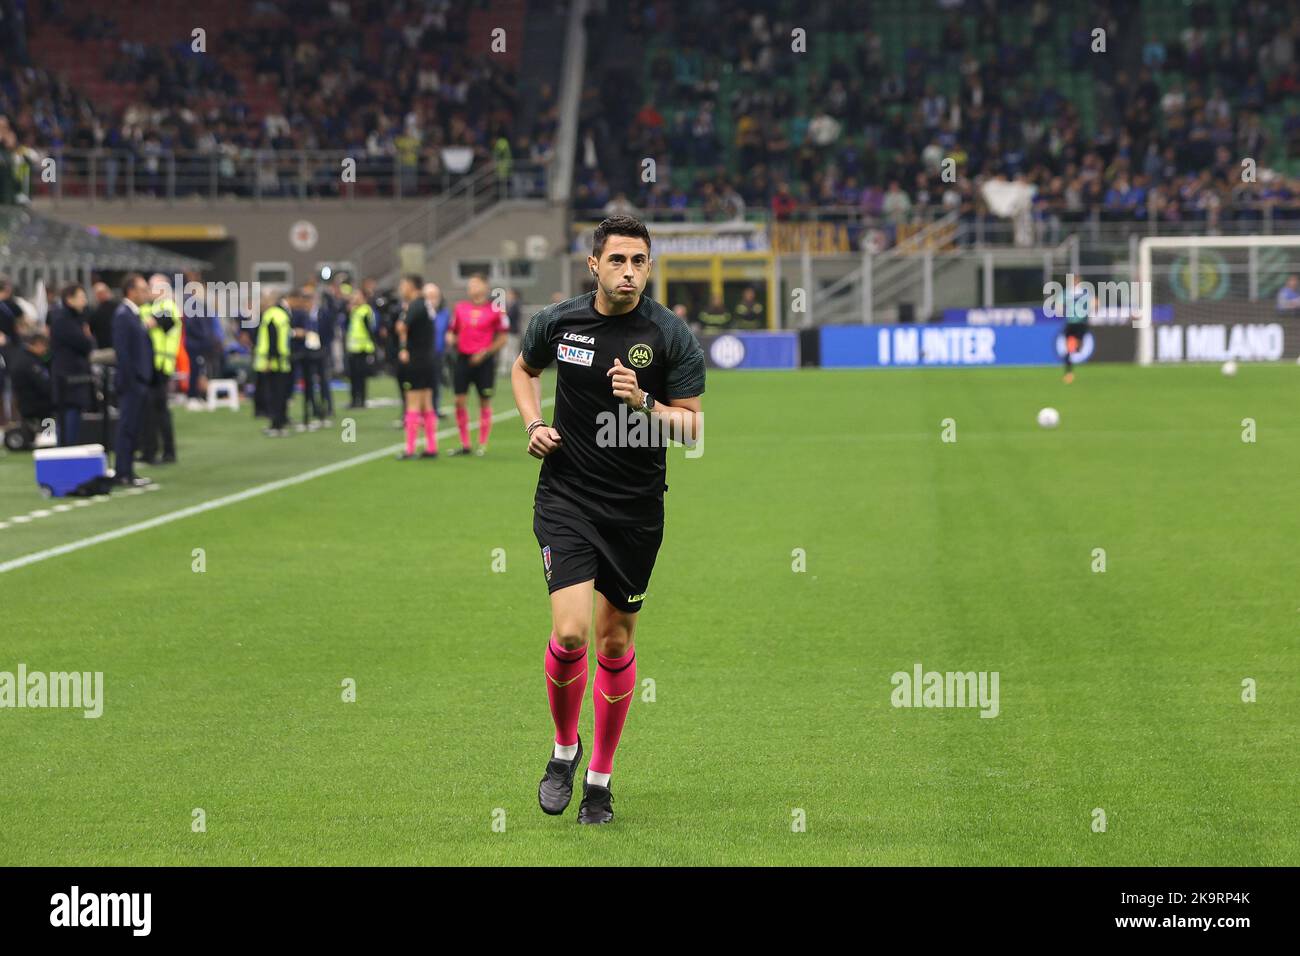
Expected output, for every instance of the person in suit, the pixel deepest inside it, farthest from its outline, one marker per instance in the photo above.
(324, 321)
(72, 343)
(304, 352)
(437, 308)
(11, 325)
(134, 374)
(31, 379)
(198, 342)
(101, 315)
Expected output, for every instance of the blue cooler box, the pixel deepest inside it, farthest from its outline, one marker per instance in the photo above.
(60, 470)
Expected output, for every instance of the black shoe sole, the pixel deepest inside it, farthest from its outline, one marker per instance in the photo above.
(594, 822)
(577, 759)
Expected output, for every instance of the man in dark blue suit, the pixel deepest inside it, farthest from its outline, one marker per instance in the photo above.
(134, 373)
(72, 343)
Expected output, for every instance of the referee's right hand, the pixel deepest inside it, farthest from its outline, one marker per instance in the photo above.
(543, 441)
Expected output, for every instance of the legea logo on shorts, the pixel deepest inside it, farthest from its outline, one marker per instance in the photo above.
(571, 353)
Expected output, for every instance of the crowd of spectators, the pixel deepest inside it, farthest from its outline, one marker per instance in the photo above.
(1168, 126)
(392, 85)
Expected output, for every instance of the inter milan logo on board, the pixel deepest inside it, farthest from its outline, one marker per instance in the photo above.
(639, 356)
(546, 560)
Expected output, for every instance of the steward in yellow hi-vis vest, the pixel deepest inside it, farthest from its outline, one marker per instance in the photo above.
(165, 334)
(272, 352)
(271, 362)
(162, 320)
(359, 345)
(715, 317)
(749, 313)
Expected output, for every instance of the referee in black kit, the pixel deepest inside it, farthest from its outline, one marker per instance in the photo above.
(599, 507)
(415, 367)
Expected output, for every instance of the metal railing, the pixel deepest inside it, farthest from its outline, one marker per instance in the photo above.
(434, 220)
(848, 215)
(1102, 226)
(125, 175)
(881, 279)
(1049, 225)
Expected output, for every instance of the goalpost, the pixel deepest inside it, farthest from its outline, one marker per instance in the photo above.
(1224, 279)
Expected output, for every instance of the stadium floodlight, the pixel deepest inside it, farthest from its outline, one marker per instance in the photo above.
(1222, 279)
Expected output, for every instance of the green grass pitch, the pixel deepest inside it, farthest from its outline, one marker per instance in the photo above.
(1119, 691)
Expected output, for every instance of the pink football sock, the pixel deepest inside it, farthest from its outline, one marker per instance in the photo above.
(484, 424)
(412, 428)
(615, 681)
(566, 680)
(430, 432)
(462, 422)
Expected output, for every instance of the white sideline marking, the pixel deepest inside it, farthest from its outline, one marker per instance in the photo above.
(244, 495)
(80, 503)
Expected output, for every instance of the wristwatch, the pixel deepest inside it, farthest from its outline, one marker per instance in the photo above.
(647, 402)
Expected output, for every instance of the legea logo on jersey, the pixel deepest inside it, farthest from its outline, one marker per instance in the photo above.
(571, 353)
(575, 337)
(629, 429)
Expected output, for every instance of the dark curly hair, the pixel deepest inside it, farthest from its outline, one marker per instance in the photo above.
(618, 226)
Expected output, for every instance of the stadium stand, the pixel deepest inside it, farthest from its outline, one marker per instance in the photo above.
(297, 87)
(859, 127)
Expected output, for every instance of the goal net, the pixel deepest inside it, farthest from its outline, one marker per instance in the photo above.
(1218, 299)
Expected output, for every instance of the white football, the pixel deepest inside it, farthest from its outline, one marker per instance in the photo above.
(1229, 368)
(1049, 418)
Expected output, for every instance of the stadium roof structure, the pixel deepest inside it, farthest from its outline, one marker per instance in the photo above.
(34, 242)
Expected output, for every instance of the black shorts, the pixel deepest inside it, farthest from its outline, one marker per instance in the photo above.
(483, 376)
(416, 377)
(576, 549)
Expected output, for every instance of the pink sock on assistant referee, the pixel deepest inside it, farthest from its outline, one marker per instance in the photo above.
(412, 429)
(430, 432)
(615, 681)
(566, 680)
(462, 423)
(484, 425)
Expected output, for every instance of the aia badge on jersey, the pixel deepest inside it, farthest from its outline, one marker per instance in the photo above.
(571, 353)
(640, 355)
(546, 560)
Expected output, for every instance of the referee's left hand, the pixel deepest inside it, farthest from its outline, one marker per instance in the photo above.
(623, 380)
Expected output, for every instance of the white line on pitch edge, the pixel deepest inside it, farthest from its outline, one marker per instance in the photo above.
(38, 556)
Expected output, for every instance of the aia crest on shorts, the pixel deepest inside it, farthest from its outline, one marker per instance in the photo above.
(546, 560)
